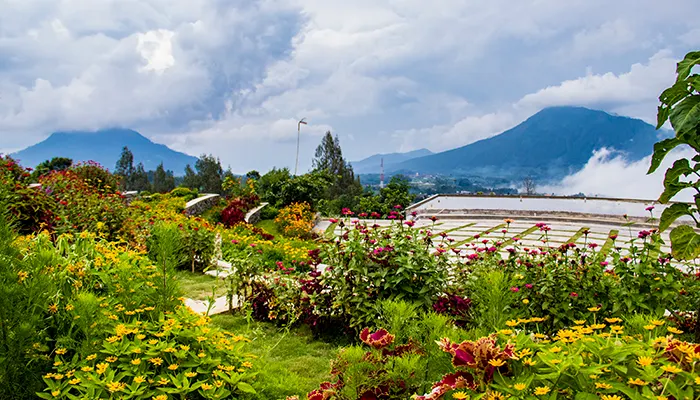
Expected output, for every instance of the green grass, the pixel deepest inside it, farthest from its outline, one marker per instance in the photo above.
(289, 362)
(198, 286)
(269, 226)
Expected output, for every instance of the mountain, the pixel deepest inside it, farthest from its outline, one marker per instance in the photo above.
(105, 147)
(371, 164)
(549, 145)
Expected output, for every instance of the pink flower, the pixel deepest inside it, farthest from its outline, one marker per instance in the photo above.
(604, 263)
(234, 241)
(515, 289)
(649, 208)
(643, 234)
(573, 294)
(333, 221)
(409, 223)
(528, 285)
(253, 245)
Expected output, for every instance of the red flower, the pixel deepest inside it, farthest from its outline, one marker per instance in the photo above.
(333, 220)
(573, 294)
(378, 339)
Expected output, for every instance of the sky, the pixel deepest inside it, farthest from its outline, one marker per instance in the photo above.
(232, 77)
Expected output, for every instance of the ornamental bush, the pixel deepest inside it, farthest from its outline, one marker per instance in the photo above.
(296, 220)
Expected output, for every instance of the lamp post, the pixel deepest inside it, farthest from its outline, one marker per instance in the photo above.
(296, 164)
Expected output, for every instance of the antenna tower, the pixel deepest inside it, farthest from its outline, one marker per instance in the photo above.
(381, 176)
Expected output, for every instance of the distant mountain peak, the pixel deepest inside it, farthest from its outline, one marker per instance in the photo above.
(554, 142)
(105, 146)
(372, 164)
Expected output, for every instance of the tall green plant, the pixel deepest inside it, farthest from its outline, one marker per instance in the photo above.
(680, 104)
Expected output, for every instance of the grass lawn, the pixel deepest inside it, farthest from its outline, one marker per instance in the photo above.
(199, 286)
(290, 362)
(269, 226)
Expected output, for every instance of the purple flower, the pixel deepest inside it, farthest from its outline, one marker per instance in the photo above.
(515, 289)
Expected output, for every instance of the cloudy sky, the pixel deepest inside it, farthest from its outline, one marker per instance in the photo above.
(231, 77)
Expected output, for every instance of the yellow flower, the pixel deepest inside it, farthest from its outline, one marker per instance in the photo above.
(602, 385)
(91, 357)
(184, 347)
(156, 361)
(506, 331)
(153, 341)
(613, 320)
(610, 397)
(86, 369)
(645, 361)
(115, 386)
(555, 349)
(136, 361)
(657, 322)
(190, 374)
(661, 398)
(74, 381)
(671, 369)
(247, 364)
(593, 309)
(528, 361)
(173, 367)
(512, 323)
(61, 351)
(495, 396)
(497, 363)
(650, 327)
(579, 322)
(207, 386)
(160, 397)
(697, 380)
(460, 396)
(163, 381)
(53, 308)
(55, 393)
(111, 359)
(69, 307)
(555, 361)
(541, 390)
(674, 330)
(520, 386)
(526, 301)
(170, 350)
(201, 355)
(102, 367)
(637, 382)
(139, 379)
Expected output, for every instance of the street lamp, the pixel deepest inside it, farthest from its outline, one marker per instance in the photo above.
(296, 164)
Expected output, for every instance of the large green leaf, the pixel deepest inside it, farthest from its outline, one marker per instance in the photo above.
(686, 65)
(660, 150)
(685, 243)
(681, 167)
(685, 116)
(672, 213)
(669, 98)
(671, 189)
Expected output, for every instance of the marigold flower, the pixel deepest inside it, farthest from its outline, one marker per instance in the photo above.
(460, 396)
(497, 363)
(671, 369)
(541, 390)
(637, 382)
(645, 361)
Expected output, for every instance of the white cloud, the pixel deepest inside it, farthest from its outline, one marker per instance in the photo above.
(643, 82)
(157, 49)
(609, 174)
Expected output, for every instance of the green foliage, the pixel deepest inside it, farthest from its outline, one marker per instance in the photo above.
(680, 104)
(186, 193)
(329, 159)
(391, 264)
(125, 168)
(163, 181)
(138, 180)
(210, 175)
(55, 164)
(269, 212)
(190, 244)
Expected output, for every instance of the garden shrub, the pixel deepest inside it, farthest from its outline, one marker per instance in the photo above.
(186, 193)
(236, 210)
(296, 220)
(269, 212)
(96, 177)
(31, 209)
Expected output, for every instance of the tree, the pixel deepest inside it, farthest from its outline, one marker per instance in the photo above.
(55, 164)
(210, 174)
(329, 158)
(191, 180)
(139, 179)
(396, 192)
(269, 186)
(125, 168)
(163, 181)
(529, 186)
(253, 175)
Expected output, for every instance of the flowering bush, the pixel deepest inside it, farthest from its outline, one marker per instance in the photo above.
(296, 220)
(599, 360)
(236, 210)
(368, 264)
(31, 209)
(175, 355)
